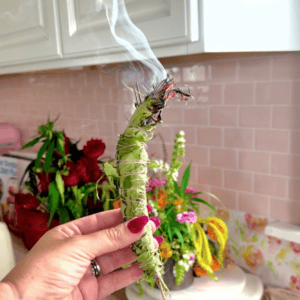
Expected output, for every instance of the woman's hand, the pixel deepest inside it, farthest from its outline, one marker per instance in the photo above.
(59, 265)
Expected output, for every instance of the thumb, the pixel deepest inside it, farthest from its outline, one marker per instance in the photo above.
(115, 238)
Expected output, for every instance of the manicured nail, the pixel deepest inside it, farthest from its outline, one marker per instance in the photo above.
(159, 239)
(149, 208)
(136, 225)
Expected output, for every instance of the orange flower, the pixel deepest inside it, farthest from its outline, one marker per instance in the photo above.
(161, 199)
(117, 204)
(165, 251)
(211, 233)
(199, 271)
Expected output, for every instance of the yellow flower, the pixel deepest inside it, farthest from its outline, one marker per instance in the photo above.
(117, 204)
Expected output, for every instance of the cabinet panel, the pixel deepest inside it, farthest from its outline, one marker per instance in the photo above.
(251, 25)
(85, 28)
(28, 31)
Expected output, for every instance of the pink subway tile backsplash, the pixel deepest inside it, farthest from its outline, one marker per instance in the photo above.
(242, 127)
(238, 180)
(210, 94)
(285, 210)
(239, 94)
(223, 116)
(254, 161)
(278, 92)
(223, 158)
(272, 140)
(227, 197)
(238, 138)
(255, 117)
(270, 185)
(209, 136)
(195, 116)
(253, 204)
(254, 69)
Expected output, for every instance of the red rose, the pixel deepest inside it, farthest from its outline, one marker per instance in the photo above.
(81, 168)
(72, 178)
(26, 201)
(67, 145)
(43, 181)
(88, 170)
(94, 148)
(93, 170)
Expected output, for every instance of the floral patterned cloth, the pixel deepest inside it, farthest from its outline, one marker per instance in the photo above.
(276, 262)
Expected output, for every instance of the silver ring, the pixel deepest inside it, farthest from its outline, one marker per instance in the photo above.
(96, 270)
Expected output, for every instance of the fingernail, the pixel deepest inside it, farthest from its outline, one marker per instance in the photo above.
(136, 225)
(159, 239)
(149, 208)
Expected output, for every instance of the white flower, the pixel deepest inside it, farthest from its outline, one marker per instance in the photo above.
(180, 263)
(181, 139)
(154, 211)
(185, 256)
(181, 132)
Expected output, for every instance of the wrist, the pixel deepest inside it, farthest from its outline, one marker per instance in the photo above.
(8, 291)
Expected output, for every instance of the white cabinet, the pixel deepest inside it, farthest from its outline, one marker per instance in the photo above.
(166, 24)
(29, 31)
(251, 25)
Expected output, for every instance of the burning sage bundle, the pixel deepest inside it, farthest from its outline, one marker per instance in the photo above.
(132, 162)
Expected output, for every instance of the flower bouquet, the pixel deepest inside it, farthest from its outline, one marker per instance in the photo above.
(63, 181)
(192, 243)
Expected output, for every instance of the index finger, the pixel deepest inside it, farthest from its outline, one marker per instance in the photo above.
(93, 223)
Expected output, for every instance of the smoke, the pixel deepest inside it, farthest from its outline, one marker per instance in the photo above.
(131, 38)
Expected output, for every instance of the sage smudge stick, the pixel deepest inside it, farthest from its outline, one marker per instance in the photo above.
(132, 160)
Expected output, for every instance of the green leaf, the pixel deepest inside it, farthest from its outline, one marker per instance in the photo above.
(64, 215)
(170, 234)
(194, 207)
(60, 144)
(204, 202)
(29, 167)
(109, 170)
(185, 178)
(32, 143)
(61, 186)
(177, 189)
(177, 232)
(41, 152)
(48, 158)
(53, 200)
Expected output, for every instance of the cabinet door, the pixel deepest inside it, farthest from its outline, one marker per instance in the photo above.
(85, 29)
(28, 31)
(251, 25)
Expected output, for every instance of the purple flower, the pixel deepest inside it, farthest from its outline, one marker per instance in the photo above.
(156, 221)
(191, 191)
(187, 217)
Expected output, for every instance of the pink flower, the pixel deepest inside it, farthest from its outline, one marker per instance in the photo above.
(156, 221)
(295, 247)
(192, 257)
(149, 208)
(191, 191)
(186, 217)
(153, 183)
